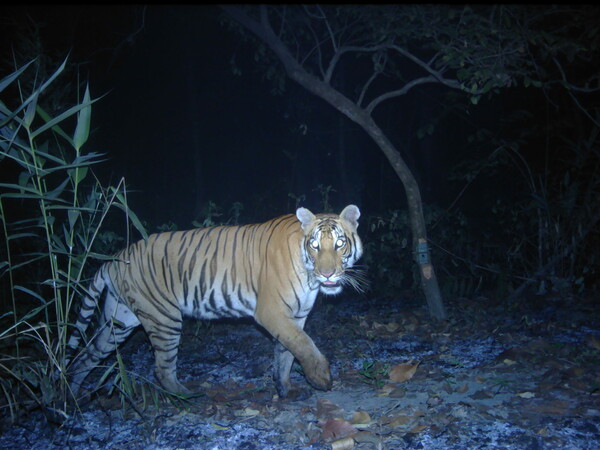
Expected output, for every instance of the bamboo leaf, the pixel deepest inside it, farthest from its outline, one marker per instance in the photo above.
(101, 257)
(12, 237)
(73, 215)
(56, 120)
(82, 131)
(35, 94)
(32, 293)
(30, 111)
(14, 267)
(58, 130)
(7, 80)
(24, 178)
(134, 219)
(19, 188)
(78, 174)
(56, 192)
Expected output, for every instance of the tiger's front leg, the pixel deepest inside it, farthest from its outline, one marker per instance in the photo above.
(282, 368)
(293, 342)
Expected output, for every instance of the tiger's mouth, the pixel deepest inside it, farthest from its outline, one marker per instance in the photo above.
(329, 283)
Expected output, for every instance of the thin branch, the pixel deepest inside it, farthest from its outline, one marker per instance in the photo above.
(569, 85)
(425, 66)
(399, 92)
(316, 48)
(347, 49)
(363, 92)
(334, 44)
(585, 111)
(319, 42)
(431, 62)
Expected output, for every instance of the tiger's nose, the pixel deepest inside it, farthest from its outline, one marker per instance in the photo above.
(327, 274)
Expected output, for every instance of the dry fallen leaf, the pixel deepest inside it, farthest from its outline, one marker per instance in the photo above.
(526, 394)
(386, 390)
(418, 429)
(360, 419)
(390, 327)
(403, 372)
(463, 389)
(342, 444)
(246, 412)
(335, 429)
(326, 409)
(366, 437)
(397, 421)
(391, 390)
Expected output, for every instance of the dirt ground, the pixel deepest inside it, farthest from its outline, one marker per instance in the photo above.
(513, 375)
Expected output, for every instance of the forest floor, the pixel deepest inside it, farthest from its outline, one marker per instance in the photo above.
(511, 375)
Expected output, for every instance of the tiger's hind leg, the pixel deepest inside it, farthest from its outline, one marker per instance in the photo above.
(164, 332)
(110, 334)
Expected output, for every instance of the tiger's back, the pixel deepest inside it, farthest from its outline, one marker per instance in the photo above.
(210, 272)
(260, 270)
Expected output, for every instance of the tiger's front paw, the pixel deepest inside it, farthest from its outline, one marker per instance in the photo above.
(318, 373)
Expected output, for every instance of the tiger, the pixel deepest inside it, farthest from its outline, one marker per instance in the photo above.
(270, 271)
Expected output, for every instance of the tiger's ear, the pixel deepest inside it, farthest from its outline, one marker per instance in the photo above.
(350, 214)
(305, 217)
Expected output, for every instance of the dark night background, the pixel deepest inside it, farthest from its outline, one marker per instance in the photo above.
(184, 130)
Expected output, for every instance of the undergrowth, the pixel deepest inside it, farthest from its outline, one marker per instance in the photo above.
(52, 215)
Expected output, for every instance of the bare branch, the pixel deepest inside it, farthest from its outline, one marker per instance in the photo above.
(347, 49)
(566, 82)
(316, 48)
(584, 110)
(425, 66)
(399, 92)
(330, 31)
(363, 91)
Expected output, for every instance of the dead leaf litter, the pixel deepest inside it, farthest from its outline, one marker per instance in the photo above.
(494, 375)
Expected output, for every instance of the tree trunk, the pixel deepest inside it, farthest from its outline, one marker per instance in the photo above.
(360, 116)
(421, 252)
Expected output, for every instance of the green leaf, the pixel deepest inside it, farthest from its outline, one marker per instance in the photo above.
(33, 97)
(21, 235)
(7, 80)
(73, 215)
(56, 192)
(30, 111)
(24, 178)
(82, 131)
(30, 292)
(18, 188)
(77, 175)
(132, 216)
(56, 120)
(58, 130)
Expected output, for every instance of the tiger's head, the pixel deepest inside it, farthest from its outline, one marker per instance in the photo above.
(330, 248)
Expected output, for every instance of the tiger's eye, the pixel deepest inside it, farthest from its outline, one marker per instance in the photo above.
(314, 244)
(340, 243)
